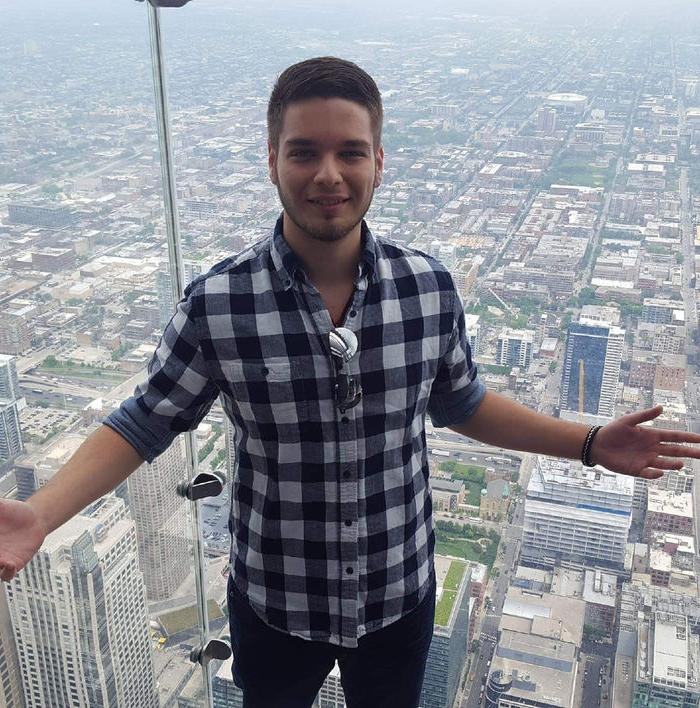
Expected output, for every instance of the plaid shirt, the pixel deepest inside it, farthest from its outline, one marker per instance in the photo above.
(331, 517)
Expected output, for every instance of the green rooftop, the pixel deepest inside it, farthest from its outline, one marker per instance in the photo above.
(187, 618)
(453, 579)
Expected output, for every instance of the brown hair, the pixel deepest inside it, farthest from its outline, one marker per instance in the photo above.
(324, 77)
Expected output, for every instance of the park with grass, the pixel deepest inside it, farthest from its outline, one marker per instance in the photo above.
(573, 169)
(466, 541)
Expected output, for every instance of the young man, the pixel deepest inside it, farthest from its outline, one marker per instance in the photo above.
(328, 347)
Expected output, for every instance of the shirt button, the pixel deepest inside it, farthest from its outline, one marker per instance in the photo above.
(348, 571)
(345, 419)
(348, 523)
(353, 313)
(347, 474)
(265, 371)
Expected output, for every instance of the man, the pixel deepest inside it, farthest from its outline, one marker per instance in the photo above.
(328, 346)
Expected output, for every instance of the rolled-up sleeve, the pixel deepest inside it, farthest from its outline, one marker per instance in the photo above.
(177, 393)
(456, 391)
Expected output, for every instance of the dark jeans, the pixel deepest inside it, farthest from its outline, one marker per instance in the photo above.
(278, 670)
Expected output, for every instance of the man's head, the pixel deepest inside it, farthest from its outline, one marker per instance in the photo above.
(324, 147)
(324, 77)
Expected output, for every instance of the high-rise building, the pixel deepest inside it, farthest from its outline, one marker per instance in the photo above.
(9, 381)
(16, 331)
(79, 616)
(473, 328)
(161, 522)
(448, 648)
(514, 347)
(536, 659)
(230, 441)
(576, 515)
(225, 693)
(592, 360)
(331, 694)
(547, 120)
(11, 693)
(668, 655)
(164, 288)
(10, 432)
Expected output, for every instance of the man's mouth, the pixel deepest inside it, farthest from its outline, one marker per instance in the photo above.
(329, 201)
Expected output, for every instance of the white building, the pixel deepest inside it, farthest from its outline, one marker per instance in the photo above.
(80, 619)
(576, 515)
(331, 694)
(514, 347)
(473, 328)
(161, 521)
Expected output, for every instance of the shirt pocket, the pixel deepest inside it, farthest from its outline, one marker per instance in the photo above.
(268, 396)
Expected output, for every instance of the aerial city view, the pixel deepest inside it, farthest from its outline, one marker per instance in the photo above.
(547, 153)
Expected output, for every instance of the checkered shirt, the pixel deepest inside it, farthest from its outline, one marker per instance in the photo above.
(331, 517)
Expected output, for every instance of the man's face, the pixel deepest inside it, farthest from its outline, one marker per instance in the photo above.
(325, 166)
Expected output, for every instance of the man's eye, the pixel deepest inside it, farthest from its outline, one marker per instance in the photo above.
(354, 153)
(301, 154)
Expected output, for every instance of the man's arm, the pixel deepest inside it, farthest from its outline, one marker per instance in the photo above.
(624, 445)
(98, 466)
(501, 422)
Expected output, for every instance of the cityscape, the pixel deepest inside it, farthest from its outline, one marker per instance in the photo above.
(547, 153)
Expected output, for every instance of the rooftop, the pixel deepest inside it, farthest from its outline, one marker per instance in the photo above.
(542, 669)
(661, 501)
(449, 576)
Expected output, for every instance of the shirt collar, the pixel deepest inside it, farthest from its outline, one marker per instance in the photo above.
(290, 267)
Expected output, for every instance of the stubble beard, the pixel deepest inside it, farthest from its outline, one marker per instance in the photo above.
(328, 232)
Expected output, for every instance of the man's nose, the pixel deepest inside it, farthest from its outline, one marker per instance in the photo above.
(328, 172)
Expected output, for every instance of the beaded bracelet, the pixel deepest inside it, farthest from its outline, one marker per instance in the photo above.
(588, 443)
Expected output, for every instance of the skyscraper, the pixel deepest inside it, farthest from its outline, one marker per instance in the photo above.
(9, 382)
(11, 694)
(576, 514)
(79, 616)
(10, 432)
(546, 120)
(164, 288)
(592, 363)
(448, 648)
(161, 522)
(514, 347)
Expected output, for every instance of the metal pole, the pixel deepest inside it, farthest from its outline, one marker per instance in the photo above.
(172, 230)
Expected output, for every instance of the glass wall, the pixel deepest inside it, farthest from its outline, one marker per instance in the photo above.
(84, 278)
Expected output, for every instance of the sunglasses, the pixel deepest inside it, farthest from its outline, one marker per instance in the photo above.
(346, 389)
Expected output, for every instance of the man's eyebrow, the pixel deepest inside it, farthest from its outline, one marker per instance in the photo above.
(306, 142)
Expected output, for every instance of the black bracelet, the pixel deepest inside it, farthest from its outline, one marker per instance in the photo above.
(588, 443)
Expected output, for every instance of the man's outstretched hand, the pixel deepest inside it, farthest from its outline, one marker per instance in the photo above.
(21, 536)
(627, 447)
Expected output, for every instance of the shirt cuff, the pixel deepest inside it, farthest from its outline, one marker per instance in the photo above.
(140, 430)
(456, 406)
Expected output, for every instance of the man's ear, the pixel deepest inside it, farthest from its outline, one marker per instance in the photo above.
(378, 166)
(272, 162)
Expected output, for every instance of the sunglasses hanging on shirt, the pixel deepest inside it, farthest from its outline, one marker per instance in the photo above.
(347, 389)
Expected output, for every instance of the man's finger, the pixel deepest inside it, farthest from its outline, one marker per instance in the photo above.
(681, 450)
(644, 415)
(7, 572)
(679, 436)
(668, 463)
(649, 473)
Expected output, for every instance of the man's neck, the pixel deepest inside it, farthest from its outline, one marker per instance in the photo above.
(327, 263)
